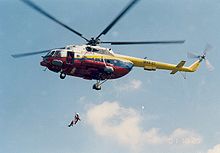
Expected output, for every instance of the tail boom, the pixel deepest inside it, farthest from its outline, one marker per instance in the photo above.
(153, 65)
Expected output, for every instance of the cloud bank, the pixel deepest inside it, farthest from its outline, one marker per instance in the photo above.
(111, 120)
(215, 149)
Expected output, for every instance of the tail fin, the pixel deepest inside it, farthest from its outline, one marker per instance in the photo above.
(195, 66)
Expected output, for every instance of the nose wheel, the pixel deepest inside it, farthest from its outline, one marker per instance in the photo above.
(62, 75)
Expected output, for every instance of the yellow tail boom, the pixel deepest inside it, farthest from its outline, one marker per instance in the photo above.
(153, 65)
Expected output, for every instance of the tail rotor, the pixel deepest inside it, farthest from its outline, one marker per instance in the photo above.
(209, 65)
(202, 57)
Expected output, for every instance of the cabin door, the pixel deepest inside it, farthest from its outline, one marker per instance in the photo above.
(70, 58)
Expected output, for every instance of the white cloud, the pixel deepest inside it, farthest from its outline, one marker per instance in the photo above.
(130, 85)
(215, 149)
(111, 120)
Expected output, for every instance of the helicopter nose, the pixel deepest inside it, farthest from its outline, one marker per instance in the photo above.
(43, 63)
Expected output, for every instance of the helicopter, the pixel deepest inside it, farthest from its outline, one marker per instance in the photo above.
(93, 62)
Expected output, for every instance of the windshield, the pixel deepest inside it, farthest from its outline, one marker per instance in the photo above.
(49, 54)
(55, 53)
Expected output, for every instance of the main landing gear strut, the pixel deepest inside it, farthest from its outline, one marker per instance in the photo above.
(97, 85)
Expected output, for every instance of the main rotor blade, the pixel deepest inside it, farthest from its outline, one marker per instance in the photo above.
(29, 54)
(143, 42)
(40, 10)
(33, 53)
(124, 11)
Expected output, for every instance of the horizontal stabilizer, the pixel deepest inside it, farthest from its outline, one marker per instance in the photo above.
(176, 69)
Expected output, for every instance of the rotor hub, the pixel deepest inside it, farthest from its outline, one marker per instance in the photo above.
(202, 57)
(93, 41)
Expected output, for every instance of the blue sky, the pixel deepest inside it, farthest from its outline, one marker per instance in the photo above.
(178, 116)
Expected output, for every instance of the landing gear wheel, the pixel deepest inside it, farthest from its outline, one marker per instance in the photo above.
(96, 86)
(62, 75)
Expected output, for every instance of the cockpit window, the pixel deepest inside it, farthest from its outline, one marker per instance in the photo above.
(57, 54)
(50, 53)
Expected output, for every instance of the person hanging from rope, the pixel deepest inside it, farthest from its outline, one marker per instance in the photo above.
(75, 120)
